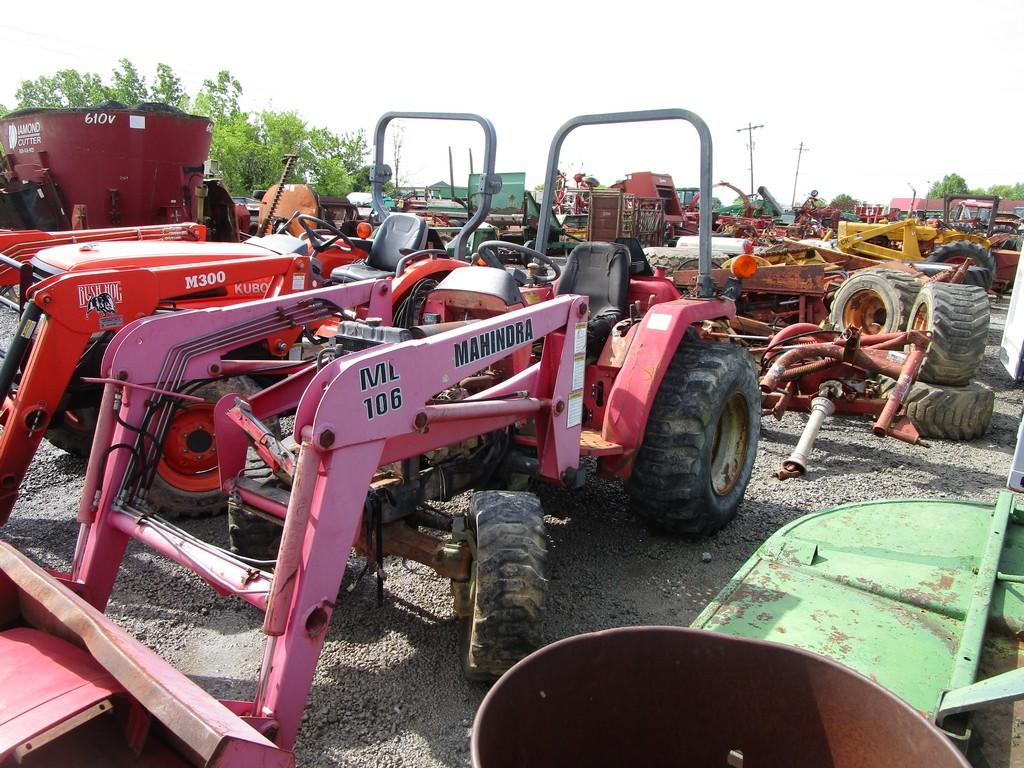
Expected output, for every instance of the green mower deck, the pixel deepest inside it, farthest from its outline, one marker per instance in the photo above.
(924, 597)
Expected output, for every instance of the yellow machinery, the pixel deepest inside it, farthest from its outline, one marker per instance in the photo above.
(907, 240)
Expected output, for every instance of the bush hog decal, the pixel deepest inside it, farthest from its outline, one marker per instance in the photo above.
(102, 299)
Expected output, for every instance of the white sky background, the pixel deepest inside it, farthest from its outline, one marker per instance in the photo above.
(883, 93)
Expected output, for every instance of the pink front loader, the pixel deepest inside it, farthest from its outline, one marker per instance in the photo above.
(338, 458)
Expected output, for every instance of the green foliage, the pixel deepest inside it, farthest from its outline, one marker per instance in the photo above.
(249, 146)
(66, 88)
(129, 86)
(951, 184)
(716, 204)
(219, 99)
(954, 184)
(844, 203)
(167, 88)
(1005, 191)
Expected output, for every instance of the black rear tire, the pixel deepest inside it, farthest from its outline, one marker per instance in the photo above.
(251, 535)
(948, 413)
(73, 432)
(677, 260)
(700, 442)
(958, 317)
(508, 584)
(961, 250)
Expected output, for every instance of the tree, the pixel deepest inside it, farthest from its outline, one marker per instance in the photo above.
(129, 86)
(65, 88)
(951, 184)
(167, 88)
(716, 204)
(397, 140)
(844, 203)
(219, 99)
(355, 151)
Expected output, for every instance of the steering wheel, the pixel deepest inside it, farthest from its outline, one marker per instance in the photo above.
(488, 252)
(316, 235)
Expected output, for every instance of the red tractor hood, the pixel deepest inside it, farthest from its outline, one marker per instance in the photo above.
(78, 257)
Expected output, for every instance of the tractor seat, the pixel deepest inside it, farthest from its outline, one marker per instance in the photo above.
(599, 271)
(399, 235)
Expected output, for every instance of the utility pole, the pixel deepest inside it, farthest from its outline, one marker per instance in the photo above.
(750, 145)
(800, 151)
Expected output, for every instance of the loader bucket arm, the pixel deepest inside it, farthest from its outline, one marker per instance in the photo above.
(355, 414)
(705, 285)
(193, 728)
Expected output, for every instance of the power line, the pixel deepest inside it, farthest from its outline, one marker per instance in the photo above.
(750, 145)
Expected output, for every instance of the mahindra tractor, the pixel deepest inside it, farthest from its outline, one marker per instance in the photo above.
(532, 372)
(74, 297)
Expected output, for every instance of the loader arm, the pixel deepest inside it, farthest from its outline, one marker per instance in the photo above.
(358, 412)
(853, 238)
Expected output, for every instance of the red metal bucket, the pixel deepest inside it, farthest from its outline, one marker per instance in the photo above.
(654, 696)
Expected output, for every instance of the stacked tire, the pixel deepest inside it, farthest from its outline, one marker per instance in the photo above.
(946, 402)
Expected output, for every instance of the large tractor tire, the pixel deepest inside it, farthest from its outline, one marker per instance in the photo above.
(72, 431)
(677, 260)
(948, 413)
(958, 318)
(253, 536)
(959, 251)
(186, 483)
(507, 584)
(700, 440)
(875, 300)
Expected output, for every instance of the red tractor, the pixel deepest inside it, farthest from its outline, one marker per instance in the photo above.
(508, 378)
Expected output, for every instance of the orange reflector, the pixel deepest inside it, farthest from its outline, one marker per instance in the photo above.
(744, 265)
(363, 230)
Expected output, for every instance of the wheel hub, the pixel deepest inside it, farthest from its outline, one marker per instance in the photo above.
(730, 445)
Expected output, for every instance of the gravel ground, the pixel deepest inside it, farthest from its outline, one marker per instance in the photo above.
(388, 690)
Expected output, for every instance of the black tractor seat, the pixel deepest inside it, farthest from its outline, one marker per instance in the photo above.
(599, 271)
(400, 235)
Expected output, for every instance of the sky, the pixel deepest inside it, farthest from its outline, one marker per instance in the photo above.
(886, 96)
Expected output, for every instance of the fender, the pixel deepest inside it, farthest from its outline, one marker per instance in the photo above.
(655, 343)
(419, 270)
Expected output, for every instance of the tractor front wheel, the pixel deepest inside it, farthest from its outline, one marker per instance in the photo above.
(187, 483)
(699, 446)
(507, 584)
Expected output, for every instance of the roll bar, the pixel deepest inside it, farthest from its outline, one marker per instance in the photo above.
(705, 285)
(490, 183)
